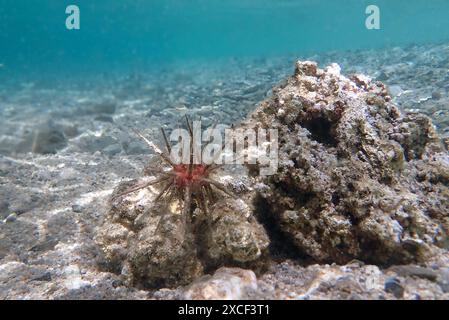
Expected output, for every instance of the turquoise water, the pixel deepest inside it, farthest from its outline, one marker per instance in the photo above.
(125, 34)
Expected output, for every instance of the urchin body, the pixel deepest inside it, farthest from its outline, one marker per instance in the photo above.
(191, 184)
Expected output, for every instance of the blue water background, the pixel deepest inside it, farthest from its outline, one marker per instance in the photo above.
(120, 35)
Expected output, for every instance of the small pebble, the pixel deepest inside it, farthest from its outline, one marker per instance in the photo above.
(44, 277)
(436, 95)
(393, 285)
(424, 273)
(77, 208)
(11, 218)
(443, 280)
(117, 283)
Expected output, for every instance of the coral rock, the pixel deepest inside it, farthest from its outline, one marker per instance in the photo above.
(148, 243)
(225, 284)
(356, 178)
(235, 235)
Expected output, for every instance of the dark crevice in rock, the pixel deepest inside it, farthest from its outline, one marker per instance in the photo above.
(201, 230)
(282, 245)
(374, 252)
(301, 197)
(321, 130)
(336, 198)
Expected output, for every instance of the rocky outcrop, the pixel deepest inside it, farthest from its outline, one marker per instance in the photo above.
(356, 178)
(148, 243)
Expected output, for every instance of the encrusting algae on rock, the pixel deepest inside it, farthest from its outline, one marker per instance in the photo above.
(357, 180)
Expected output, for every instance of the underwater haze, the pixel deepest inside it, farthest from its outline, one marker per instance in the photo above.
(350, 203)
(135, 33)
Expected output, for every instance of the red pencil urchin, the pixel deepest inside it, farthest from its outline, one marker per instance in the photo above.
(191, 184)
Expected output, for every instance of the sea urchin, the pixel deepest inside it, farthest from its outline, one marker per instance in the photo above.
(191, 184)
